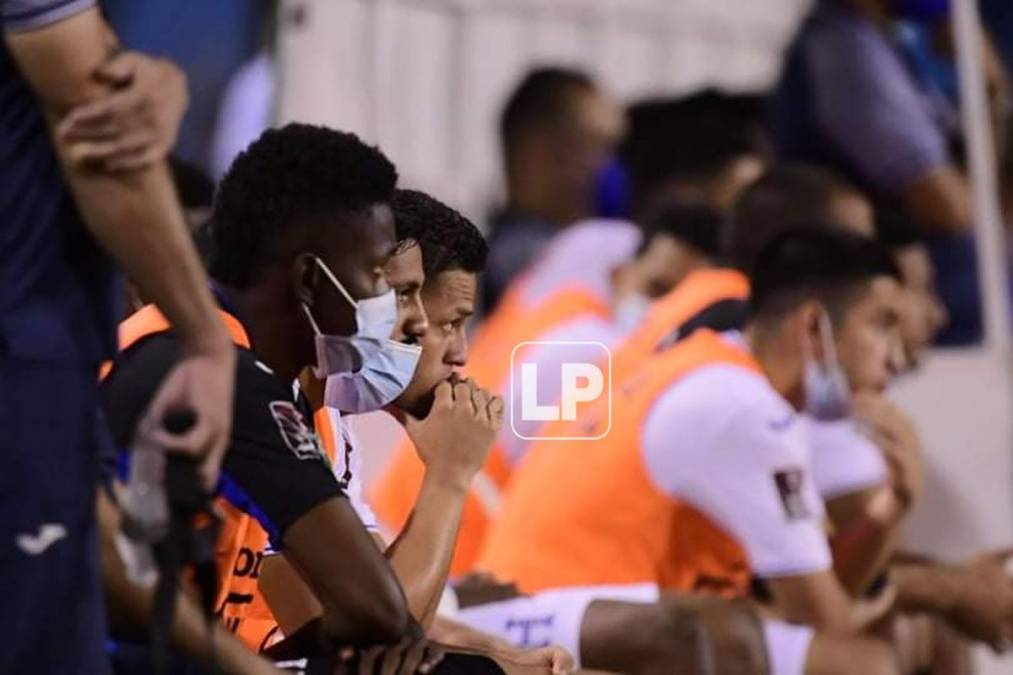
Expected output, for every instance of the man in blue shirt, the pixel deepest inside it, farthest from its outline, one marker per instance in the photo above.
(848, 99)
(83, 135)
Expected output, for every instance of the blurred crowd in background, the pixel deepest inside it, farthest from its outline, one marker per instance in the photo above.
(880, 107)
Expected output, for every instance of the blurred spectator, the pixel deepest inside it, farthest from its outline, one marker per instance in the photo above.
(245, 111)
(558, 131)
(704, 148)
(849, 99)
(208, 40)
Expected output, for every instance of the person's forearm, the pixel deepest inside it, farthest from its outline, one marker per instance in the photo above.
(925, 587)
(864, 545)
(422, 553)
(136, 217)
(457, 634)
(291, 601)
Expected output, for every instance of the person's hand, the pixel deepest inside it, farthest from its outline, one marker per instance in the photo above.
(895, 434)
(867, 612)
(202, 383)
(553, 659)
(455, 438)
(135, 125)
(983, 600)
(408, 657)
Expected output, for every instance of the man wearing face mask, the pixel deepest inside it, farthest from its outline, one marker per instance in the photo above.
(449, 431)
(302, 230)
(595, 274)
(704, 481)
(594, 627)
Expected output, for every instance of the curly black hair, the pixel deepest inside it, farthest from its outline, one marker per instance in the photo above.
(449, 241)
(282, 190)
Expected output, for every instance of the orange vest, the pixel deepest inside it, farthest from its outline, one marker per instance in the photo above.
(699, 290)
(394, 493)
(242, 541)
(587, 513)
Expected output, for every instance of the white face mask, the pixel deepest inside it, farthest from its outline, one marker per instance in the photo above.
(827, 394)
(367, 370)
(630, 311)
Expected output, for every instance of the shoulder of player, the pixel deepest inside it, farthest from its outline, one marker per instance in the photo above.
(721, 391)
(722, 401)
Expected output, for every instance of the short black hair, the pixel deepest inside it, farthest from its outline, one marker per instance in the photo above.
(196, 189)
(541, 98)
(895, 228)
(281, 191)
(787, 196)
(696, 224)
(691, 138)
(449, 241)
(815, 262)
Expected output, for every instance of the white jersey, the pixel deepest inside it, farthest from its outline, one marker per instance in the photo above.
(844, 460)
(347, 469)
(725, 442)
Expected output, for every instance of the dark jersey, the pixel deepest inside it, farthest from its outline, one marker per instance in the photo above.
(274, 469)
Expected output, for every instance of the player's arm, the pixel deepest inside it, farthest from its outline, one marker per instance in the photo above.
(452, 442)
(750, 474)
(130, 607)
(135, 215)
(896, 147)
(975, 598)
(939, 200)
(339, 564)
(819, 600)
(868, 521)
(865, 535)
(512, 659)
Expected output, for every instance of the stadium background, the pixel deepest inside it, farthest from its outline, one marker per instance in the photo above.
(425, 79)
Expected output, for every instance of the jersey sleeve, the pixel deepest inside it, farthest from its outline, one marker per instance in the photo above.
(743, 462)
(844, 461)
(20, 15)
(275, 469)
(868, 106)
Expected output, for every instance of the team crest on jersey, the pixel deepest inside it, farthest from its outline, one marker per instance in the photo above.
(298, 436)
(789, 486)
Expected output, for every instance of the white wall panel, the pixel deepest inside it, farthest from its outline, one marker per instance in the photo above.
(426, 78)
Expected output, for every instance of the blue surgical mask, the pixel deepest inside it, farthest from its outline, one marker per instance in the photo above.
(367, 370)
(922, 11)
(827, 394)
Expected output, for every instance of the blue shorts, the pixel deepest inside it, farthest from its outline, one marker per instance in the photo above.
(51, 610)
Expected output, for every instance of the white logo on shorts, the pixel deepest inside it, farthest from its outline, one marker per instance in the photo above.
(36, 544)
